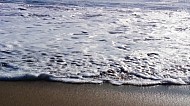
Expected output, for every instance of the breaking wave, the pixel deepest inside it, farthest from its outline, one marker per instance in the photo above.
(123, 42)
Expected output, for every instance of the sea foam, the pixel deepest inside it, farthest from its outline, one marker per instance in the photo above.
(123, 42)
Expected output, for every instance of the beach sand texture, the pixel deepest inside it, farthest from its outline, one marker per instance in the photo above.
(41, 93)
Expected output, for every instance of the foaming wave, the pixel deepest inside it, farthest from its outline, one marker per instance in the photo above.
(92, 42)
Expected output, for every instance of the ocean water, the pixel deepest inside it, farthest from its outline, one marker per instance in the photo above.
(145, 42)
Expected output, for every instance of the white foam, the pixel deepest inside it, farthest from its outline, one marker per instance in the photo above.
(113, 42)
(71, 80)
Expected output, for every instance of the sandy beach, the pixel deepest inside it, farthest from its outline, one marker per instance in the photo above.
(42, 93)
(46, 43)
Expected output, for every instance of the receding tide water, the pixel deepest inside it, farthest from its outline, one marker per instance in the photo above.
(122, 42)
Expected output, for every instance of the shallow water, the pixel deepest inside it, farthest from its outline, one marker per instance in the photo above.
(121, 42)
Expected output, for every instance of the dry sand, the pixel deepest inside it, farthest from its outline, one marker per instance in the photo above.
(42, 93)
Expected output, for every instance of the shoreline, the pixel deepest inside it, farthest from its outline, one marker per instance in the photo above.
(43, 93)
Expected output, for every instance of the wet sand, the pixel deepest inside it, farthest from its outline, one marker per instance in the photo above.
(42, 93)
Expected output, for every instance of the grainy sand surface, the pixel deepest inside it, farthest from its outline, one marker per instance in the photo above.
(42, 93)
